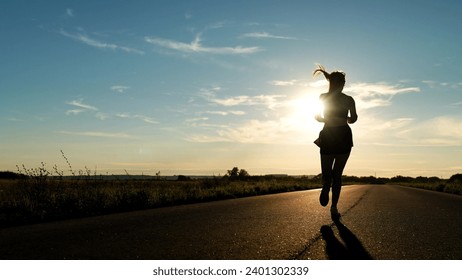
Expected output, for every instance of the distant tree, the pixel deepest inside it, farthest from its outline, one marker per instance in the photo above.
(11, 175)
(317, 177)
(237, 173)
(243, 173)
(233, 172)
(183, 178)
(434, 179)
(456, 177)
(401, 179)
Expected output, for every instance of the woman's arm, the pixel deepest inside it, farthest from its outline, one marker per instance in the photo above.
(353, 115)
(319, 116)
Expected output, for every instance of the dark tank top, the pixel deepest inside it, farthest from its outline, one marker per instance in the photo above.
(335, 105)
(336, 139)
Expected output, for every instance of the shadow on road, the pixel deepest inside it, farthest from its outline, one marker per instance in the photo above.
(350, 249)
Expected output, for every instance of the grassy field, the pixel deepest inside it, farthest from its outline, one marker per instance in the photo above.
(38, 197)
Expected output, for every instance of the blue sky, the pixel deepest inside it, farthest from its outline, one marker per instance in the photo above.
(198, 87)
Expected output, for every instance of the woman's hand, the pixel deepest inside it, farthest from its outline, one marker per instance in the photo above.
(319, 118)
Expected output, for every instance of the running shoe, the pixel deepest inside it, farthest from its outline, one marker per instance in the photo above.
(324, 197)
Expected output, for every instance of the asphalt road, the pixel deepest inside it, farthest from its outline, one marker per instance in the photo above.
(378, 222)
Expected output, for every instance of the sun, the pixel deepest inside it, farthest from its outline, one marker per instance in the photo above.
(303, 109)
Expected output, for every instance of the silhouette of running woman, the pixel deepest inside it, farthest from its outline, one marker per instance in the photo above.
(336, 138)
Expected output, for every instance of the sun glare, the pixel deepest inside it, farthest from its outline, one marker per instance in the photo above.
(303, 109)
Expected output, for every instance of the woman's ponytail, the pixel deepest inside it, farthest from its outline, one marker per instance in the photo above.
(321, 69)
(336, 79)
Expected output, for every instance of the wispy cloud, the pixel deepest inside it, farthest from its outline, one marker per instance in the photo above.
(226, 113)
(14, 119)
(102, 116)
(435, 84)
(79, 103)
(273, 126)
(119, 88)
(196, 47)
(270, 101)
(370, 95)
(69, 12)
(281, 130)
(294, 82)
(80, 107)
(266, 35)
(438, 131)
(96, 134)
(75, 111)
(137, 117)
(98, 44)
(283, 83)
(373, 130)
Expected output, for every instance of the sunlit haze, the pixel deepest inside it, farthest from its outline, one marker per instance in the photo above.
(198, 87)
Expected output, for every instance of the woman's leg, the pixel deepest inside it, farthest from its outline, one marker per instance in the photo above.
(327, 175)
(337, 172)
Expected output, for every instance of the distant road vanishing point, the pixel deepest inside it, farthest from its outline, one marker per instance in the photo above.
(378, 222)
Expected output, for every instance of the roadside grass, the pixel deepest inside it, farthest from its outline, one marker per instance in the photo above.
(41, 198)
(446, 187)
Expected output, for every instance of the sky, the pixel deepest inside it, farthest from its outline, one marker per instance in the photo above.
(199, 87)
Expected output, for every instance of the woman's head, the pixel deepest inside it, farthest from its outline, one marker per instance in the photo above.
(336, 79)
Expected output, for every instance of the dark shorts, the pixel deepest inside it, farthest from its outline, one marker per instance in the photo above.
(336, 140)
